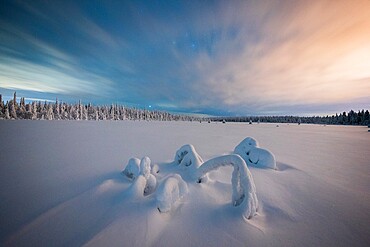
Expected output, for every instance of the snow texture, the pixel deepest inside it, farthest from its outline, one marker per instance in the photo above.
(132, 169)
(253, 155)
(172, 189)
(244, 189)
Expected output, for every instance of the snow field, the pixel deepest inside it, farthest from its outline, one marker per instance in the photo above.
(61, 185)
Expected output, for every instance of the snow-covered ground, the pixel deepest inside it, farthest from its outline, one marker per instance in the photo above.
(61, 185)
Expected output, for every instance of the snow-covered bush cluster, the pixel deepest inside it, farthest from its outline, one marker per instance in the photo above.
(145, 182)
(173, 187)
(253, 155)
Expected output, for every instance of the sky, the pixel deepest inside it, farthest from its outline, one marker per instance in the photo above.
(204, 57)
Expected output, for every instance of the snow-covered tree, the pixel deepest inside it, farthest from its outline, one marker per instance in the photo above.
(243, 187)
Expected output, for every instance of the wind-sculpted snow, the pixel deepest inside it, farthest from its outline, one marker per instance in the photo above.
(171, 190)
(253, 155)
(244, 189)
(132, 169)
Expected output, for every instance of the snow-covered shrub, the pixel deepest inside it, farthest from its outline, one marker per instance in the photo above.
(169, 192)
(246, 145)
(145, 167)
(187, 156)
(253, 155)
(145, 171)
(155, 169)
(151, 184)
(262, 158)
(244, 189)
(138, 187)
(132, 169)
(141, 168)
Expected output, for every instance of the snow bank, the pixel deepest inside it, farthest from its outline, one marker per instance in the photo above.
(244, 189)
(132, 169)
(169, 192)
(253, 155)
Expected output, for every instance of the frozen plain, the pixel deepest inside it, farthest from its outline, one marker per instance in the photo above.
(60, 185)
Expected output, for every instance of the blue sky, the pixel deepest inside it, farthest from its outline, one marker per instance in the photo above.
(210, 57)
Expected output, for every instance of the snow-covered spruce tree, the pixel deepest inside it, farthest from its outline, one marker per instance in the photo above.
(56, 110)
(49, 112)
(244, 189)
(7, 115)
(12, 109)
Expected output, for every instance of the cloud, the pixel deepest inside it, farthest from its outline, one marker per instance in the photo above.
(312, 53)
(245, 57)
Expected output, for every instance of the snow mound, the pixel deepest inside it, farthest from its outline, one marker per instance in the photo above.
(253, 155)
(132, 169)
(171, 190)
(244, 189)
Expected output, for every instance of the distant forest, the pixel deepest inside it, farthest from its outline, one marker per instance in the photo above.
(345, 118)
(38, 110)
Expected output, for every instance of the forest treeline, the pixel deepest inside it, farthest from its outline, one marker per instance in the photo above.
(39, 110)
(344, 118)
